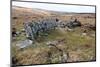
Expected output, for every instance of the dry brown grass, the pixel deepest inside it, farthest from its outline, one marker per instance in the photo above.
(80, 48)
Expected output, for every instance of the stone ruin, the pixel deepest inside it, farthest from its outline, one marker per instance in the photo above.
(34, 28)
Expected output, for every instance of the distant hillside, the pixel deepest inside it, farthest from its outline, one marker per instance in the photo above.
(23, 14)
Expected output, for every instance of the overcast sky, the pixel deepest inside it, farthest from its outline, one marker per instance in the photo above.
(56, 7)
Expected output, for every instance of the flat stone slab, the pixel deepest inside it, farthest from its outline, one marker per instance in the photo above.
(24, 43)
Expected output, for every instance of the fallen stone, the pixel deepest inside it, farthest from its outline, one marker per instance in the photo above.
(24, 43)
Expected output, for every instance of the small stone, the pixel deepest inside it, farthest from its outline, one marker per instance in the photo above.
(84, 34)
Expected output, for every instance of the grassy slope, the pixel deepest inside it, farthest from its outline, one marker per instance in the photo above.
(80, 48)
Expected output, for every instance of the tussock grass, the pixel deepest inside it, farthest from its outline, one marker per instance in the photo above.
(79, 48)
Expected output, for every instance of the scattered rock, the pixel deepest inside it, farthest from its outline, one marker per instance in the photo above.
(73, 24)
